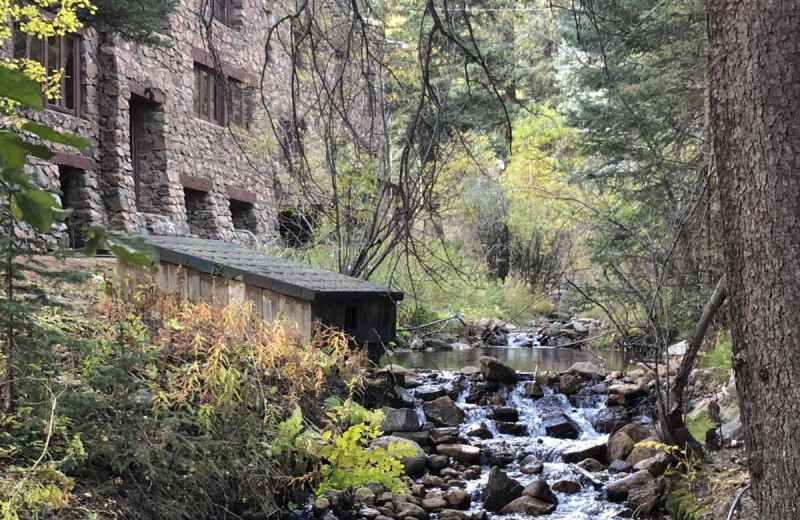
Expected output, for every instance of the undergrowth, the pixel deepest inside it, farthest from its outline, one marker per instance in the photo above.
(165, 409)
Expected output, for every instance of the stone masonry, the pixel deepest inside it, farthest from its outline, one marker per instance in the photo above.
(154, 166)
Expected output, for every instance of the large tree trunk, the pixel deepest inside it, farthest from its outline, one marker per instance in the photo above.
(755, 96)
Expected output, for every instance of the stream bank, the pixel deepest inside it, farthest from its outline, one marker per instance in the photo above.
(492, 441)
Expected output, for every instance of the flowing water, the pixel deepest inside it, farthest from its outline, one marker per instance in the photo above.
(590, 502)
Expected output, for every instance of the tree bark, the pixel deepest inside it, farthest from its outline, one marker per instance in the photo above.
(754, 49)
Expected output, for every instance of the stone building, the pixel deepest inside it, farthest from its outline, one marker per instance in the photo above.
(167, 126)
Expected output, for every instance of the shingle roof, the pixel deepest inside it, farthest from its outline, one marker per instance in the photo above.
(255, 268)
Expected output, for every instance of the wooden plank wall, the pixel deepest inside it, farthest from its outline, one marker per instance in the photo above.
(195, 286)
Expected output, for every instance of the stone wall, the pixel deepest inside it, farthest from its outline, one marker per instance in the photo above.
(192, 172)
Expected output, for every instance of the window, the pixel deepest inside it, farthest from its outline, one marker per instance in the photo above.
(240, 104)
(206, 98)
(222, 10)
(55, 54)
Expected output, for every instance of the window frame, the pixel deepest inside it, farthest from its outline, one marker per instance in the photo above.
(245, 102)
(224, 7)
(206, 77)
(64, 42)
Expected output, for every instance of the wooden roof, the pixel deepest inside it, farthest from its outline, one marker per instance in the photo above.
(259, 269)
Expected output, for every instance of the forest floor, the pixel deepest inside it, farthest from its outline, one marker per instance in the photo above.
(721, 480)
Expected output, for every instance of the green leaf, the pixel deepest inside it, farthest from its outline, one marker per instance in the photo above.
(49, 134)
(35, 207)
(133, 249)
(95, 238)
(18, 87)
(37, 150)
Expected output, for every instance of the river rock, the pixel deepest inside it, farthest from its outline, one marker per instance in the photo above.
(505, 413)
(584, 451)
(533, 390)
(619, 466)
(587, 370)
(618, 490)
(422, 438)
(431, 481)
(453, 514)
(413, 465)
(437, 462)
(609, 420)
(560, 426)
(641, 452)
(569, 385)
(620, 446)
(615, 400)
(531, 465)
(499, 456)
(494, 369)
(480, 431)
(433, 501)
(460, 452)
(320, 506)
(527, 506)
(437, 345)
(399, 420)
(591, 465)
(568, 487)
(546, 378)
(656, 465)
(365, 495)
(470, 371)
(516, 429)
(445, 435)
(457, 498)
(407, 509)
(636, 431)
(540, 490)
(430, 392)
(643, 498)
(444, 412)
(500, 490)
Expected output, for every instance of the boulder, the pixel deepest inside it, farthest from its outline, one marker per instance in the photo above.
(678, 349)
(620, 446)
(584, 451)
(399, 420)
(457, 498)
(516, 429)
(430, 392)
(618, 490)
(609, 420)
(414, 464)
(470, 371)
(531, 465)
(500, 456)
(320, 506)
(422, 438)
(437, 462)
(569, 385)
(459, 452)
(479, 430)
(540, 490)
(546, 378)
(527, 506)
(433, 501)
(444, 412)
(505, 413)
(495, 370)
(437, 345)
(560, 426)
(500, 490)
(445, 435)
(656, 465)
(641, 452)
(568, 487)
(642, 499)
(407, 509)
(533, 390)
(619, 466)
(587, 370)
(365, 495)
(636, 431)
(733, 430)
(591, 465)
